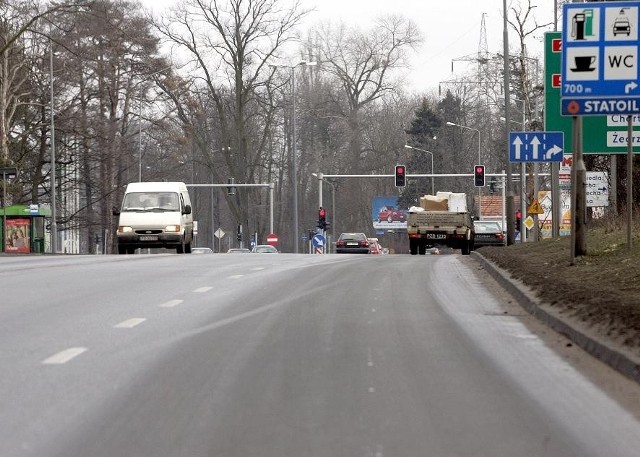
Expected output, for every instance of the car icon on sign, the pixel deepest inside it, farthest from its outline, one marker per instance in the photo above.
(621, 26)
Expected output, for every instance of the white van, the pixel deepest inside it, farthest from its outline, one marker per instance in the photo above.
(155, 215)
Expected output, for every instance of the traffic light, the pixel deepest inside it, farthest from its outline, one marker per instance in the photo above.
(492, 184)
(401, 176)
(322, 218)
(231, 189)
(478, 176)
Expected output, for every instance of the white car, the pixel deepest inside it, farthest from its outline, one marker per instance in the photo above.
(264, 249)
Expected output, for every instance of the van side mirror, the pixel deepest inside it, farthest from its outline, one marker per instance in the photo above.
(187, 209)
(115, 211)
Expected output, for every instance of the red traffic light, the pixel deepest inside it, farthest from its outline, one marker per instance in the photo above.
(478, 176)
(400, 176)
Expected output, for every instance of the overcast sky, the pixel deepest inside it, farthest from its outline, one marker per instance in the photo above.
(451, 29)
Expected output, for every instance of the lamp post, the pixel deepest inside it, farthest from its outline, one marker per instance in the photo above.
(431, 153)
(294, 159)
(523, 185)
(479, 162)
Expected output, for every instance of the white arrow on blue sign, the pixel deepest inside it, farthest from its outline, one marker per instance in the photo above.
(317, 241)
(536, 146)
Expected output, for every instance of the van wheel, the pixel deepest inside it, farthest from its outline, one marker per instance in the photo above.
(122, 250)
(187, 248)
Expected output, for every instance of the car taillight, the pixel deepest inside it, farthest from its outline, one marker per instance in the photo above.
(364, 244)
(340, 243)
(500, 236)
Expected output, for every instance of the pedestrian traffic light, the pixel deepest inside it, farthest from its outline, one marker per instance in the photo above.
(478, 174)
(401, 176)
(322, 218)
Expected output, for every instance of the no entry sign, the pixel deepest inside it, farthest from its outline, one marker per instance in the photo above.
(272, 239)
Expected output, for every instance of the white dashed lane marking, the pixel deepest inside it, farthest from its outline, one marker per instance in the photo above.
(64, 356)
(200, 290)
(130, 323)
(236, 276)
(170, 303)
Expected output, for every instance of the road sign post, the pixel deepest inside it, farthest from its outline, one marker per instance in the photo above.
(600, 51)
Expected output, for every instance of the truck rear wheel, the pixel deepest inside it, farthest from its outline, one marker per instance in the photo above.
(413, 246)
(422, 248)
(466, 247)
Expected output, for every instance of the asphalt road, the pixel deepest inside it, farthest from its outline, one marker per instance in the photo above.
(286, 356)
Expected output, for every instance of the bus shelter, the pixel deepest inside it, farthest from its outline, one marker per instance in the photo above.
(23, 229)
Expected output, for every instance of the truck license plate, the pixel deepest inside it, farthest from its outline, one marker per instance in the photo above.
(436, 236)
(148, 238)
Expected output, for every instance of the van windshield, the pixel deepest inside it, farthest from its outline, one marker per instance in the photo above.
(151, 201)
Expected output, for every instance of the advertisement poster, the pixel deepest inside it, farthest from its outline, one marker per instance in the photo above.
(546, 219)
(387, 215)
(17, 239)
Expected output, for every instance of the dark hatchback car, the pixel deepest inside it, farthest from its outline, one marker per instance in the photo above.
(352, 243)
(488, 233)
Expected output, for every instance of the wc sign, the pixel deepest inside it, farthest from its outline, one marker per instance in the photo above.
(600, 52)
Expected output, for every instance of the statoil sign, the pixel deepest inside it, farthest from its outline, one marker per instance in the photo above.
(600, 50)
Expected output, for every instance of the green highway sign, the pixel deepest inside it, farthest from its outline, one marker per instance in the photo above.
(600, 134)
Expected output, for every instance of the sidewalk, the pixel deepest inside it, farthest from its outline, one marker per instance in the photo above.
(614, 355)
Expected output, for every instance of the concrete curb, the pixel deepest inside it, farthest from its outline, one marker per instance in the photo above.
(525, 298)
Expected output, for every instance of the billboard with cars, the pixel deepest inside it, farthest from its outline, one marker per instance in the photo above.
(387, 215)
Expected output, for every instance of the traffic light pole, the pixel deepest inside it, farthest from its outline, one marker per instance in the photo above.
(321, 177)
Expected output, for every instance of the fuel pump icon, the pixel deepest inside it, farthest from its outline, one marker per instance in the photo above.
(582, 25)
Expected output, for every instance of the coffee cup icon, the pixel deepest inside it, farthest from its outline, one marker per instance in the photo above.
(583, 63)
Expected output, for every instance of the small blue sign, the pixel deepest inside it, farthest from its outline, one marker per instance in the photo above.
(536, 146)
(317, 241)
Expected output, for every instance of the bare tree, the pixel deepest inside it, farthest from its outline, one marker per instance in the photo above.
(364, 67)
(230, 45)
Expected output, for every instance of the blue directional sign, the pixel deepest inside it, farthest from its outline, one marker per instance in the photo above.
(536, 146)
(600, 50)
(317, 241)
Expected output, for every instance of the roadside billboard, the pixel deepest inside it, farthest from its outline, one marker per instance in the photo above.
(387, 215)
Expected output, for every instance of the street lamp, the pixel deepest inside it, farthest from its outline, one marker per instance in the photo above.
(523, 184)
(294, 160)
(428, 152)
(479, 162)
